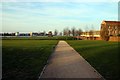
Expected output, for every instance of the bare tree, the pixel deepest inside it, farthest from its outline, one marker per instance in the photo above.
(79, 32)
(50, 34)
(86, 30)
(69, 32)
(66, 31)
(60, 33)
(91, 34)
(73, 31)
(44, 33)
(55, 32)
(104, 33)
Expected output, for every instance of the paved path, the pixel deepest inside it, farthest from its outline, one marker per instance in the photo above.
(65, 62)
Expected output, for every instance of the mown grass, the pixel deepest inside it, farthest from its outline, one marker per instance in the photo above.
(39, 38)
(102, 55)
(25, 59)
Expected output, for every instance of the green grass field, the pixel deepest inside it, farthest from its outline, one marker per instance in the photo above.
(102, 55)
(39, 38)
(25, 59)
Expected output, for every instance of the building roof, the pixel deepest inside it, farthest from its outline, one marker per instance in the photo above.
(112, 22)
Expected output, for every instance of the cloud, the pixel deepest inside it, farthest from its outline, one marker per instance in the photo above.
(33, 15)
(59, 0)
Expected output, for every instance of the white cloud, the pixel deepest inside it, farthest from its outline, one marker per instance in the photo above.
(59, 0)
(32, 16)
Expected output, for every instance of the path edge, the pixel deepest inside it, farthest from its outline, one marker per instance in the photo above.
(88, 63)
(53, 50)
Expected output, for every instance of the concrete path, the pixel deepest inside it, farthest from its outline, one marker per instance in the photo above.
(65, 62)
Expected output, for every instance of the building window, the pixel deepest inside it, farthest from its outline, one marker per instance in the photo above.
(115, 27)
(109, 27)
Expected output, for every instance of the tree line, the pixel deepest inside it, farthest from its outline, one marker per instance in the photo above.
(68, 32)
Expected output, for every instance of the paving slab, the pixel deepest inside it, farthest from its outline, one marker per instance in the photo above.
(65, 62)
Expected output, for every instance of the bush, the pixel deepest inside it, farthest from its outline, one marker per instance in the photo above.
(104, 33)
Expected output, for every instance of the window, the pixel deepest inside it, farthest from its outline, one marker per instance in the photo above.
(116, 27)
(109, 27)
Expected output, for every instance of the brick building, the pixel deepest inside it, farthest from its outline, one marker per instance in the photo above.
(95, 35)
(110, 30)
(113, 27)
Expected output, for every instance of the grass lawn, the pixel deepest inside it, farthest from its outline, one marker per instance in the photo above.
(39, 38)
(102, 55)
(25, 59)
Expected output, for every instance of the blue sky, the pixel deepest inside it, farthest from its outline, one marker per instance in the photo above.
(46, 16)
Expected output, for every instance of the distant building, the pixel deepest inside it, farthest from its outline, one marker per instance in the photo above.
(34, 34)
(113, 27)
(95, 35)
(17, 34)
(31, 34)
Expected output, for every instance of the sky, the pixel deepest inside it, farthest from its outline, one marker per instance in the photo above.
(38, 16)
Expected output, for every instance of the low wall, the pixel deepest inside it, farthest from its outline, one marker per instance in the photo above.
(114, 39)
(91, 38)
(98, 38)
